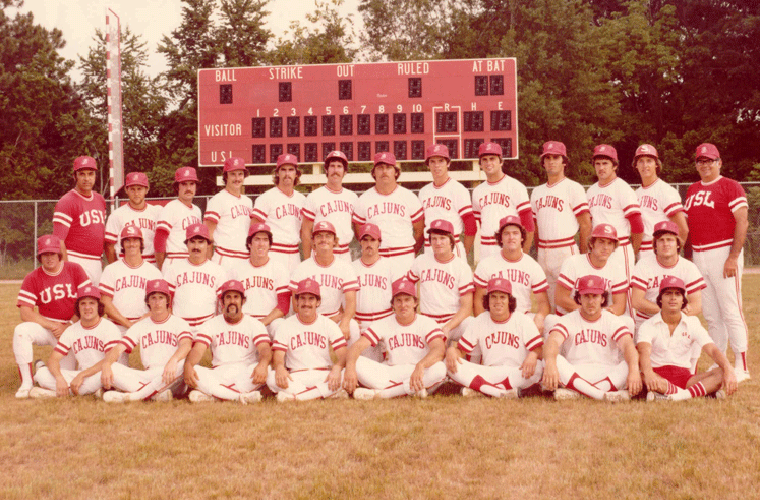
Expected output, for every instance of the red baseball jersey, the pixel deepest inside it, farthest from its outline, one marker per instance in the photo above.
(710, 208)
(81, 223)
(53, 294)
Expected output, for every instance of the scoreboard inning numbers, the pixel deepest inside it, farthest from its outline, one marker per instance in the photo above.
(361, 109)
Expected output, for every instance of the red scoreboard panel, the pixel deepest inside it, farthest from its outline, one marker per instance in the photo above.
(361, 109)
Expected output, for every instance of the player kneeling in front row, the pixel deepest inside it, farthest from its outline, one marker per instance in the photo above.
(665, 344)
(592, 340)
(303, 368)
(164, 341)
(414, 346)
(241, 353)
(510, 344)
(88, 339)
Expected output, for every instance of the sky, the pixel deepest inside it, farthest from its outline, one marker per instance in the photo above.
(78, 20)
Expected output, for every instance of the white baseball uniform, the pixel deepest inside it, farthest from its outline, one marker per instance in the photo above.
(195, 289)
(334, 280)
(336, 207)
(80, 222)
(525, 275)
(491, 202)
(282, 213)
(373, 300)
(175, 218)
(146, 219)
(659, 202)
(578, 266)
(674, 349)
(265, 286)
(450, 201)
(232, 216)
(126, 286)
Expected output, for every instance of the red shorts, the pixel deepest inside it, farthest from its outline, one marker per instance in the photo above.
(676, 375)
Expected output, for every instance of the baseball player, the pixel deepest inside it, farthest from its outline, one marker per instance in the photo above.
(445, 281)
(228, 216)
(651, 270)
(175, 218)
(280, 208)
(612, 201)
(414, 345)
(665, 343)
(138, 213)
(79, 220)
(396, 211)
(123, 283)
(52, 288)
(265, 283)
(336, 278)
(561, 211)
(525, 275)
(717, 209)
(447, 199)
(510, 347)
(592, 341)
(500, 195)
(88, 339)
(333, 203)
(195, 281)
(241, 353)
(164, 340)
(303, 368)
(658, 200)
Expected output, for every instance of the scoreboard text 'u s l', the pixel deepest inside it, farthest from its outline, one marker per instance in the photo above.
(259, 113)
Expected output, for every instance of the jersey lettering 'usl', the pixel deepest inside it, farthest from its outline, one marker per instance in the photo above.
(578, 266)
(556, 208)
(658, 202)
(450, 201)
(195, 289)
(308, 346)
(492, 201)
(525, 275)
(89, 344)
(232, 216)
(501, 343)
(175, 218)
(337, 207)
(611, 204)
(442, 284)
(710, 208)
(81, 223)
(54, 294)
(373, 300)
(675, 349)
(232, 342)
(262, 286)
(157, 340)
(126, 285)
(649, 273)
(395, 215)
(282, 213)
(145, 219)
(404, 344)
(591, 342)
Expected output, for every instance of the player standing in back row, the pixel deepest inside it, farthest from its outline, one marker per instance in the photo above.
(175, 218)
(136, 213)
(716, 208)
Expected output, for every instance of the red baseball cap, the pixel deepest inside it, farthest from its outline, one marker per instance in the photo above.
(184, 174)
(490, 148)
(510, 220)
(708, 151)
(136, 179)
(234, 163)
(337, 155)
(48, 243)
(591, 284)
(369, 229)
(287, 159)
(231, 286)
(604, 231)
(553, 148)
(666, 226)
(130, 232)
(157, 286)
(437, 150)
(672, 282)
(605, 150)
(259, 227)
(85, 163)
(88, 291)
(307, 286)
(323, 226)
(499, 285)
(645, 150)
(384, 157)
(197, 229)
(403, 285)
(441, 226)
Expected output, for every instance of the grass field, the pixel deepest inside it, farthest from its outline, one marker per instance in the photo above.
(441, 447)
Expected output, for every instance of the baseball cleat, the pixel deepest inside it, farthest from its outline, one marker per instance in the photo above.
(163, 396)
(41, 393)
(509, 394)
(566, 394)
(656, 396)
(283, 397)
(199, 397)
(364, 394)
(115, 397)
(720, 394)
(248, 398)
(339, 394)
(471, 393)
(23, 392)
(617, 396)
(741, 375)
(422, 393)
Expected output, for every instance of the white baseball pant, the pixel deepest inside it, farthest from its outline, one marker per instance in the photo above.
(25, 336)
(394, 380)
(494, 381)
(46, 380)
(305, 384)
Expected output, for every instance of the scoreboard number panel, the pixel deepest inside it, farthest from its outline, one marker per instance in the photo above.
(258, 113)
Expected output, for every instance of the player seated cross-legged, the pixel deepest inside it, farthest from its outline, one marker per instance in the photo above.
(164, 340)
(665, 343)
(510, 346)
(241, 353)
(414, 345)
(584, 349)
(303, 368)
(88, 339)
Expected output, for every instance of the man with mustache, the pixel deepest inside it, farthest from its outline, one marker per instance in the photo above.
(175, 218)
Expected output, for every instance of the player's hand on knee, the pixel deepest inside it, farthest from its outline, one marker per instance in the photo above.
(350, 380)
(528, 367)
(76, 383)
(259, 375)
(106, 376)
(730, 384)
(169, 370)
(191, 377)
(334, 378)
(281, 377)
(452, 359)
(415, 381)
(634, 384)
(58, 329)
(550, 379)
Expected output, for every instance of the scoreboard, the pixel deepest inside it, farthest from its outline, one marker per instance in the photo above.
(258, 113)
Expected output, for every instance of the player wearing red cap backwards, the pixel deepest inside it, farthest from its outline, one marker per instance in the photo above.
(228, 216)
(447, 199)
(175, 218)
(666, 342)
(396, 211)
(445, 280)
(414, 346)
(500, 195)
(280, 208)
(716, 208)
(560, 209)
(336, 278)
(88, 339)
(164, 340)
(333, 203)
(583, 351)
(510, 345)
(136, 213)
(658, 200)
(52, 289)
(303, 368)
(651, 269)
(265, 283)
(79, 220)
(241, 351)
(195, 281)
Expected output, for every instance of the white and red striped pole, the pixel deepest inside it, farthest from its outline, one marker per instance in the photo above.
(113, 82)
